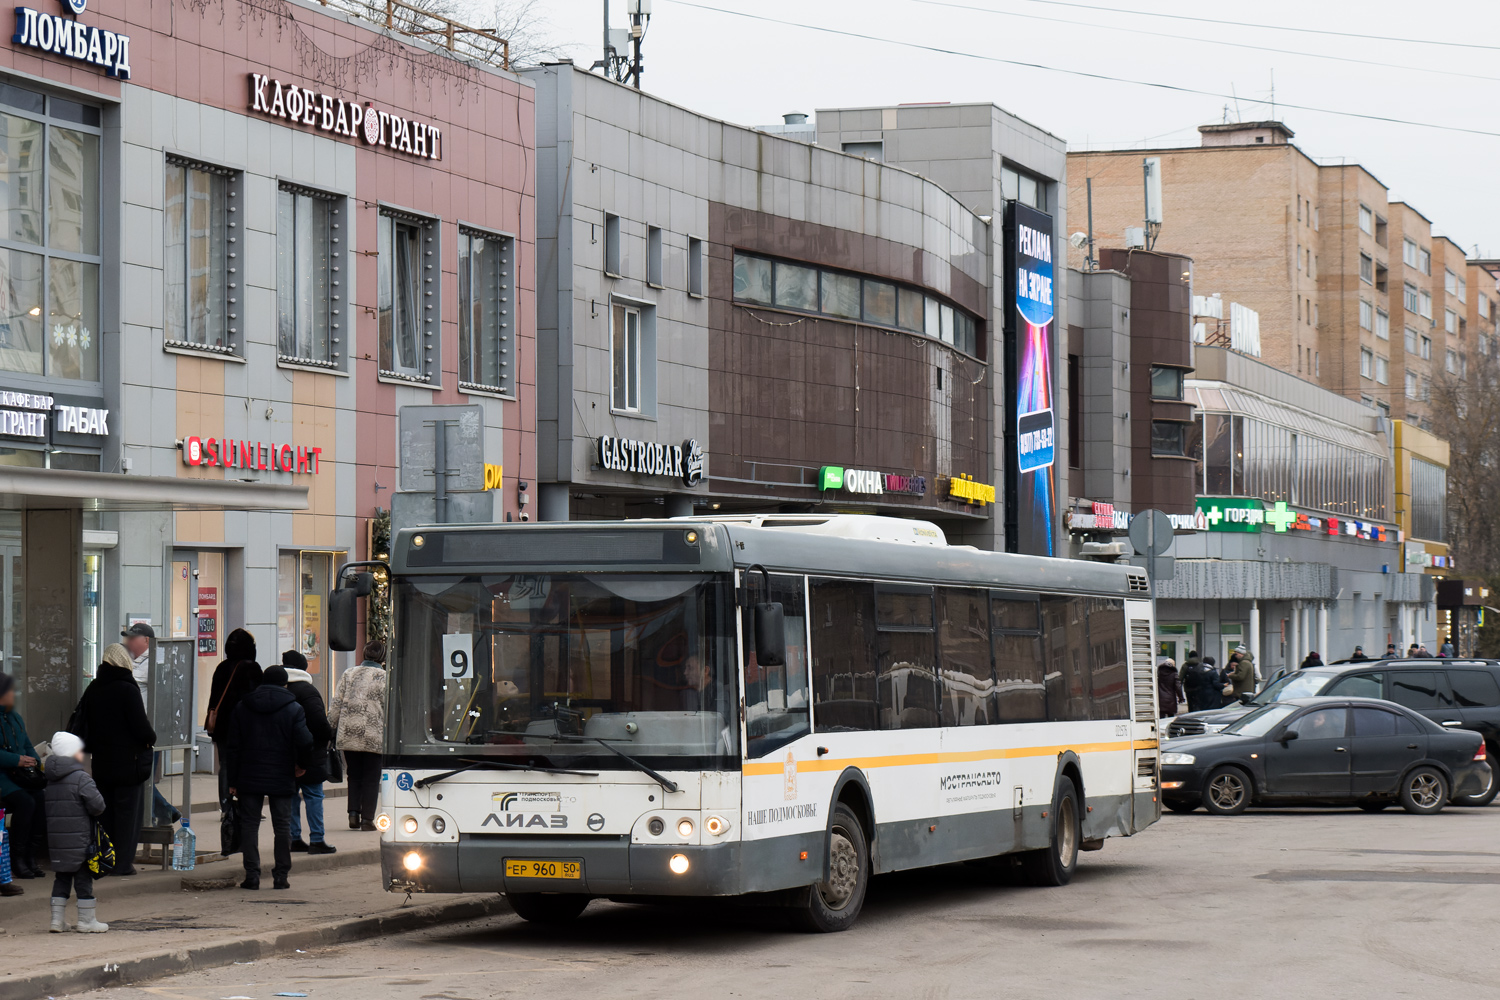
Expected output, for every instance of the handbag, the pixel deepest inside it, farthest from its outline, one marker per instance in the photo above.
(1228, 689)
(213, 713)
(229, 826)
(29, 778)
(335, 765)
(101, 853)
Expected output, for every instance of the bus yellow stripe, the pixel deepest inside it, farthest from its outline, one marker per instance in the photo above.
(951, 757)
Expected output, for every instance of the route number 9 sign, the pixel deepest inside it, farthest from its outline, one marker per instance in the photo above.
(458, 656)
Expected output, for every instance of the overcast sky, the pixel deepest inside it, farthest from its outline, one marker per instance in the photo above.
(752, 71)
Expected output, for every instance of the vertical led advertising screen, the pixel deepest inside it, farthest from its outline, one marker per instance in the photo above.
(1031, 435)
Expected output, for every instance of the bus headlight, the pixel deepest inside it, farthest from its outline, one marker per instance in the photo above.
(655, 826)
(438, 825)
(412, 861)
(382, 822)
(409, 824)
(716, 825)
(684, 828)
(678, 864)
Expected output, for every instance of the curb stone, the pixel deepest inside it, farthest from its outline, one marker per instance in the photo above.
(215, 954)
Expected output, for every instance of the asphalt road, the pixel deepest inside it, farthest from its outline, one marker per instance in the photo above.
(1307, 903)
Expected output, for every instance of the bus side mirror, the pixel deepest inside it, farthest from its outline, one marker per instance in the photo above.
(363, 584)
(343, 621)
(770, 635)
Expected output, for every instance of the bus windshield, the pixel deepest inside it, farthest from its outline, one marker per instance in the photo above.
(550, 665)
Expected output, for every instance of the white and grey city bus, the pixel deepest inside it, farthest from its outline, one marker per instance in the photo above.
(776, 705)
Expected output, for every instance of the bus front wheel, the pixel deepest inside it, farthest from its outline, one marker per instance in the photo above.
(1055, 865)
(834, 905)
(547, 907)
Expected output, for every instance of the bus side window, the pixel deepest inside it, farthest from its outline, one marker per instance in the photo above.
(844, 658)
(968, 682)
(908, 657)
(1020, 674)
(1065, 633)
(1109, 677)
(776, 698)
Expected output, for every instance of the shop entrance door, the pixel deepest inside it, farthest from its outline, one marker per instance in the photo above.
(1176, 641)
(303, 579)
(1231, 634)
(195, 610)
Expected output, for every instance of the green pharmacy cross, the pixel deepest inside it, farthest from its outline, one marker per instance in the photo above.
(1280, 517)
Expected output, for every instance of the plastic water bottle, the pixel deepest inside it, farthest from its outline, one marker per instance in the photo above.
(184, 848)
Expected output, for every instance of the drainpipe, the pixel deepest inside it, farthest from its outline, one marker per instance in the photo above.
(1255, 633)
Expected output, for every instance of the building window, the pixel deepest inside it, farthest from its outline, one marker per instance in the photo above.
(1367, 269)
(1025, 188)
(1409, 299)
(1409, 254)
(1450, 281)
(1382, 370)
(1166, 383)
(1168, 437)
(653, 256)
(695, 266)
(1411, 385)
(870, 150)
(1450, 362)
(1484, 344)
(1380, 230)
(1424, 261)
(1450, 321)
(307, 277)
(486, 308)
(1366, 363)
(1411, 341)
(1427, 348)
(1366, 315)
(1366, 220)
(1429, 498)
(612, 245)
(1382, 324)
(1299, 256)
(799, 287)
(1484, 306)
(1425, 304)
(625, 357)
(407, 311)
(195, 261)
(1461, 290)
(49, 244)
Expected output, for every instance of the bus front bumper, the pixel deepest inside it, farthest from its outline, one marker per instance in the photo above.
(609, 866)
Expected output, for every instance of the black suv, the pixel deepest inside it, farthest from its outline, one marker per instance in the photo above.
(1457, 693)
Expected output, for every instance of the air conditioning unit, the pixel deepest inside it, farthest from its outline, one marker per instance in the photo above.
(1135, 237)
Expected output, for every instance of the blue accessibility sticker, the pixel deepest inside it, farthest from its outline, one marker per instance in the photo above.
(403, 781)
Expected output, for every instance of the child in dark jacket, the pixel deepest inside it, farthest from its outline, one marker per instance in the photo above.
(73, 801)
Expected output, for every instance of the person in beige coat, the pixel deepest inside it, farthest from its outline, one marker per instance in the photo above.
(357, 717)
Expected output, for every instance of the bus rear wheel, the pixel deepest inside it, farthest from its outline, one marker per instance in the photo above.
(547, 907)
(834, 905)
(1055, 865)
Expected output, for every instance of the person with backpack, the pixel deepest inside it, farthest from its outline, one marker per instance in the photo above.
(310, 785)
(267, 747)
(111, 720)
(1201, 683)
(73, 803)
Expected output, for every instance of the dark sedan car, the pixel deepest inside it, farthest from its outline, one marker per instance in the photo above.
(1364, 751)
(1455, 693)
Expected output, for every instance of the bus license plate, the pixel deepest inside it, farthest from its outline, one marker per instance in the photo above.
(528, 868)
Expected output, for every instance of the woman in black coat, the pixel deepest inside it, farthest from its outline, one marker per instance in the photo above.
(118, 734)
(236, 676)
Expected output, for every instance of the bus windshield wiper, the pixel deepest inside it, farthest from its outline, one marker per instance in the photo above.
(498, 765)
(661, 779)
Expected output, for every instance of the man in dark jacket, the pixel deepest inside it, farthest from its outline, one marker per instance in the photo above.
(267, 747)
(1201, 684)
(235, 676)
(310, 785)
(1168, 687)
(118, 734)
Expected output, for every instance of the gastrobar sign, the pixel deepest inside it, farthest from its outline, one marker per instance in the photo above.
(350, 119)
(63, 36)
(679, 461)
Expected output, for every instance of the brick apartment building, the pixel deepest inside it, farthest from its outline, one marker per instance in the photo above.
(1352, 291)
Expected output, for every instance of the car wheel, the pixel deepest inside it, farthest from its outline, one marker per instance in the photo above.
(1424, 791)
(547, 907)
(1180, 805)
(1227, 792)
(1372, 807)
(835, 904)
(1485, 797)
(1055, 865)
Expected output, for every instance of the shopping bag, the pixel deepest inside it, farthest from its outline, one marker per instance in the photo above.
(335, 765)
(4, 851)
(229, 826)
(101, 854)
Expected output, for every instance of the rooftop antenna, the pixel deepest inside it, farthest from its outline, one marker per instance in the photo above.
(1236, 98)
(622, 46)
(1273, 95)
(1151, 169)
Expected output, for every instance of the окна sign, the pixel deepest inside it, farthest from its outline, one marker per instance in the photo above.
(868, 481)
(251, 455)
(327, 113)
(680, 461)
(63, 36)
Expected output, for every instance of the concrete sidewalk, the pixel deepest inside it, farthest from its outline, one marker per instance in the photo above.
(162, 933)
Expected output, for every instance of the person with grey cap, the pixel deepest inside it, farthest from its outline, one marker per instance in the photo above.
(267, 747)
(117, 733)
